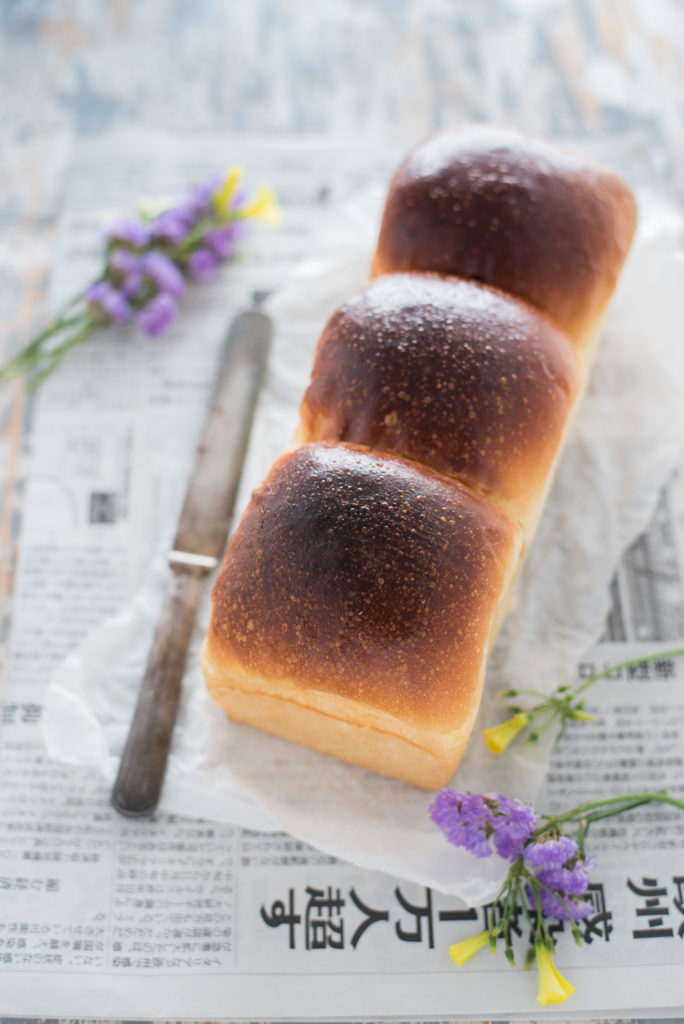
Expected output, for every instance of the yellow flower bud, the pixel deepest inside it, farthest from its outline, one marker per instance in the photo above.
(553, 987)
(498, 737)
(264, 206)
(226, 190)
(462, 951)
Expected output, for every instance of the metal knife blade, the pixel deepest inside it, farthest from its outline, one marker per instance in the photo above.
(210, 497)
(199, 542)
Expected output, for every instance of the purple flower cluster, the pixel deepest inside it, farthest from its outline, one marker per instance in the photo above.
(566, 884)
(112, 304)
(482, 823)
(148, 262)
(476, 820)
(562, 876)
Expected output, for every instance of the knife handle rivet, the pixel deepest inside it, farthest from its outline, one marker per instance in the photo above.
(207, 562)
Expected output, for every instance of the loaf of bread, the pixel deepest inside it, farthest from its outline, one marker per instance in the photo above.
(364, 586)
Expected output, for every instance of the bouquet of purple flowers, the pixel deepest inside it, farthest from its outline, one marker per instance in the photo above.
(147, 262)
(549, 872)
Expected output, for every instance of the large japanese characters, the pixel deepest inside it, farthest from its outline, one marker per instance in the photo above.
(361, 593)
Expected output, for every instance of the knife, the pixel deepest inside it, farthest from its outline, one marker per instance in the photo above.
(198, 545)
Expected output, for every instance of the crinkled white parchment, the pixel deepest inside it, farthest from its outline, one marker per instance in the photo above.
(628, 436)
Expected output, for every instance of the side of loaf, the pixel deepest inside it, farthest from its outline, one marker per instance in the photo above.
(363, 588)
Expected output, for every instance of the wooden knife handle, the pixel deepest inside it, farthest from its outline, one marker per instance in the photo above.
(143, 763)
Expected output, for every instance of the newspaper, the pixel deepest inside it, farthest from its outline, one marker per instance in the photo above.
(108, 917)
(620, 450)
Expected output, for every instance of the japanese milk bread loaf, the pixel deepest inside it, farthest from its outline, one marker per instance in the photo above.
(363, 588)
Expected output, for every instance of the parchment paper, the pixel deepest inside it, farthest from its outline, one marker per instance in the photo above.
(628, 436)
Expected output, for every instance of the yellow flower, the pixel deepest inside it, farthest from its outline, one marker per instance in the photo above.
(498, 737)
(553, 987)
(462, 951)
(582, 716)
(226, 190)
(264, 206)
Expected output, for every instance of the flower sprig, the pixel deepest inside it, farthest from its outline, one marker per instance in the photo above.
(148, 260)
(564, 704)
(548, 875)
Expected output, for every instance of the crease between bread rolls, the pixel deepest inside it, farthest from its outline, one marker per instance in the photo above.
(363, 588)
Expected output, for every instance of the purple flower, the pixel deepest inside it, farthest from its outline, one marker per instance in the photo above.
(163, 272)
(474, 821)
(108, 302)
(463, 818)
(203, 265)
(132, 284)
(157, 315)
(572, 880)
(130, 231)
(123, 261)
(551, 853)
(512, 827)
(223, 240)
(172, 225)
(568, 879)
(574, 908)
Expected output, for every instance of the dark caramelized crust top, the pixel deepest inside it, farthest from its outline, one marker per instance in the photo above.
(364, 576)
(530, 218)
(453, 374)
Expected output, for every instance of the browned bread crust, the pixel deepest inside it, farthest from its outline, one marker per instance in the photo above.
(367, 578)
(452, 374)
(361, 592)
(530, 218)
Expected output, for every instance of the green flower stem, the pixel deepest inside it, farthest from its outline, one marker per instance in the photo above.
(533, 693)
(540, 932)
(49, 360)
(514, 893)
(608, 812)
(198, 232)
(563, 702)
(60, 324)
(534, 713)
(674, 652)
(619, 803)
(534, 883)
(30, 355)
(581, 835)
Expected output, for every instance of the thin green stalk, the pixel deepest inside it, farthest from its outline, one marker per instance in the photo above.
(536, 733)
(515, 693)
(534, 881)
(628, 799)
(608, 812)
(563, 702)
(197, 234)
(674, 652)
(52, 358)
(60, 324)
(28, 357)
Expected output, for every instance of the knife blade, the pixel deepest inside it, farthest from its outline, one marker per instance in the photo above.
(197, 547)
